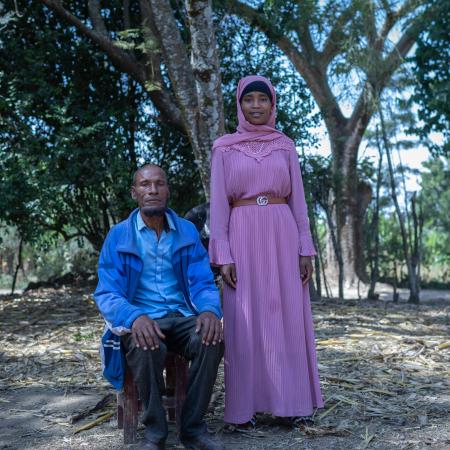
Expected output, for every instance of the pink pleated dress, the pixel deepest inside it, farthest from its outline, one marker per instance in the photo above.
(270, 357)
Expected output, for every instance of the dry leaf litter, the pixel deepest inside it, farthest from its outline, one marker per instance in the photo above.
(384, 370)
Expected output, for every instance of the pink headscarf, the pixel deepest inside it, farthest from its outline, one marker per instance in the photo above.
(245, 130)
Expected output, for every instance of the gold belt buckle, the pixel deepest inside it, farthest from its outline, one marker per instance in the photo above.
(262, 200)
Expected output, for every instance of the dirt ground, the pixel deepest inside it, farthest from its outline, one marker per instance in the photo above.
(384, 372)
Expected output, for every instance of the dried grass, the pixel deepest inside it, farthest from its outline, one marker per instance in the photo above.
(382, 368)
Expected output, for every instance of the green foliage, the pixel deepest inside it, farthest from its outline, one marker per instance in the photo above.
(431, 60)
(73, 128)
(61, 148)
(435, 197)
(72, 131)
(391, 253)
(356, 26)
(435, 248)
(47, 257)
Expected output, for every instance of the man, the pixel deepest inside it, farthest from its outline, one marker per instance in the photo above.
(157, 291)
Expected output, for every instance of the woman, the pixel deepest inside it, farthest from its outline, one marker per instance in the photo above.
(260, 238)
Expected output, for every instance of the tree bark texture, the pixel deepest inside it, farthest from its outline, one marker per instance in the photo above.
(195, 76)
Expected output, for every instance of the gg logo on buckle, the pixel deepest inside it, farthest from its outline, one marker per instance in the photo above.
(262, 200)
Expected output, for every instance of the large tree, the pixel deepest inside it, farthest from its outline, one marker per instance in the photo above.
(73, 129)
(169, 51)
(347, 53)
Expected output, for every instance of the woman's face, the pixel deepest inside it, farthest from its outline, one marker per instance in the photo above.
(256, 107)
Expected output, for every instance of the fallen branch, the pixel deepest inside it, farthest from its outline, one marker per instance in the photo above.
(106, 400)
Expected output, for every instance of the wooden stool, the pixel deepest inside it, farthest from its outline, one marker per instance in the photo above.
(128, 404)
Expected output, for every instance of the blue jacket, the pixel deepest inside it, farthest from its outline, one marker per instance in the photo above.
(119, 269)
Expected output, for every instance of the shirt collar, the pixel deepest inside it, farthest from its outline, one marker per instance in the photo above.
(141, 224)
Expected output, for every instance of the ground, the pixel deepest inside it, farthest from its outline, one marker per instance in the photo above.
(384, 371)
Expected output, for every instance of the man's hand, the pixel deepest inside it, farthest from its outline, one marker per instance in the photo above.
(306, 269)
(145, 333)
(212, 328)
(228, 272)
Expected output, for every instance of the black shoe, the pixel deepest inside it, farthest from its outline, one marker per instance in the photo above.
(246, 426)
(203, 441)
(147, 445)
(299, 421)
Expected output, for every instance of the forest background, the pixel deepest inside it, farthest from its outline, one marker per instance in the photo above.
(90, 90)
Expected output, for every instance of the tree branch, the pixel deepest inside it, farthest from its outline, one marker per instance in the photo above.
(96, 17)
(333, 43)
(392, 17)
(152, 45)
(401, 49)
(125, 62)
(314, 74)
(370, 28)
(119, 57)
(386, 6)
(175, 55)
(306, 41)
(390, 64)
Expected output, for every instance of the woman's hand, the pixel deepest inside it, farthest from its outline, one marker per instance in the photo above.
(306, 268)
(228, 272)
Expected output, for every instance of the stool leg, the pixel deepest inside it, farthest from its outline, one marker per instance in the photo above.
(119, 410)
(130, 409)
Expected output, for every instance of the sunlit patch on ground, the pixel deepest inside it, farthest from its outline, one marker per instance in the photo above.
(384, 371)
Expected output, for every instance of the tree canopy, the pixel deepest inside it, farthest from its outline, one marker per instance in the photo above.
(432, 89)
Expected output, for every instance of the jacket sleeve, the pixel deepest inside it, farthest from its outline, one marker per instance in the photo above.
(202, 289)
(298, 206)
(111, 292)
(219, 245)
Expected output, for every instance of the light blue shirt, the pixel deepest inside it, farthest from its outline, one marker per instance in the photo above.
(158, 292)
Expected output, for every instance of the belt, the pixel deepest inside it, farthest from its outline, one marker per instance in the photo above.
(260, 200)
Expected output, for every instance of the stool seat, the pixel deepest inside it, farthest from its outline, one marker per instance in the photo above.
(128, 404)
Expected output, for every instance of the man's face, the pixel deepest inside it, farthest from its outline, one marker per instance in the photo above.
(151, 191)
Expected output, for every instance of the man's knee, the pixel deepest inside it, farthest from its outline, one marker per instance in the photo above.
(158, 353)
(196, 346)
(139, 354)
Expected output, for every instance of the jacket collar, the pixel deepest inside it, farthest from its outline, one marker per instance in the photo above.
(141, 224)
(127, 240)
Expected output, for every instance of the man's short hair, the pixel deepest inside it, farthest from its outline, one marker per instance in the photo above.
(143, 167)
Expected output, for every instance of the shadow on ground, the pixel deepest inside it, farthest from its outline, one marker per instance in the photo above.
(384, 371)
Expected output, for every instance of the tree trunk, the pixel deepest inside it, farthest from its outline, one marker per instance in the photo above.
(351, 199)
(316, 259)
(395, 294)
(334, 249)
(374, 229)
(416, 253)
(412, 276)
(195, 76)
(19, 265)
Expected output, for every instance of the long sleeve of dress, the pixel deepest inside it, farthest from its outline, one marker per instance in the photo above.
(219, 245)
(299, 208)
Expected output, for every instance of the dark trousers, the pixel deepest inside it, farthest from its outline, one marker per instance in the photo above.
(147, 368)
